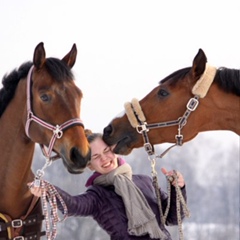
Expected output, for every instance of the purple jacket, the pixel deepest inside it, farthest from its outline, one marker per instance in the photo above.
(107, 208)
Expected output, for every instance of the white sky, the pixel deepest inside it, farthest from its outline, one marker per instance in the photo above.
(124, 47)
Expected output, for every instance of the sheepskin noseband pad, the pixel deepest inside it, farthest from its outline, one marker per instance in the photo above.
(134, 109)
(203, 84)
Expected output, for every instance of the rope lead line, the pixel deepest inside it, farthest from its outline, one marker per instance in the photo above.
(50, 195)
(180, 202)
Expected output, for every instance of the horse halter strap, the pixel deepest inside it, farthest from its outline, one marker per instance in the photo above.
(57, 130)
(142, 127)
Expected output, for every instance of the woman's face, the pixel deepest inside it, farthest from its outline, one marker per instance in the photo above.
(103, 160)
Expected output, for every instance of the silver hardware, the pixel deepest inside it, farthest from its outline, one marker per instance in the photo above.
(37, 182)
(58, 132)
(148, 148)
(142, 128)
(192, 104)
(17, 223)
(19, 238)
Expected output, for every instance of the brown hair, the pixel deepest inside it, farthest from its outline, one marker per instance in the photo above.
(92, 136)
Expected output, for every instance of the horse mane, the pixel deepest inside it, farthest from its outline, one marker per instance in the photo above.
(10, 83)
(228, 80)
(176, 76)
(55, 67)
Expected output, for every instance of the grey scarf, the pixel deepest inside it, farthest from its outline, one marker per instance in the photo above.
(141, 219)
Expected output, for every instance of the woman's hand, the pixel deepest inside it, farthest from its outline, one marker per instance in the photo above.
(35, 190)
(180, 180)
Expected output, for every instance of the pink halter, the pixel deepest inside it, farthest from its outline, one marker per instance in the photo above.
(57, 130)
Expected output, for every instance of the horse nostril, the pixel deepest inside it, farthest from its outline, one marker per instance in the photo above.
(107, 130)
(77, 158)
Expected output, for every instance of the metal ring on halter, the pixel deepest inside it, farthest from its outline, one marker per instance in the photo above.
(141, 128)
(40, 173)
(58, 132)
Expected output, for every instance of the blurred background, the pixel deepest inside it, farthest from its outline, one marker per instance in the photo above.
(124, 49)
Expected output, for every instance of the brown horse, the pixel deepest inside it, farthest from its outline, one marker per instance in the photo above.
(39, 103)
(188, 101)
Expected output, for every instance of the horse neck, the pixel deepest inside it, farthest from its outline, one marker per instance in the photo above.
(222, 109)
(16, 157)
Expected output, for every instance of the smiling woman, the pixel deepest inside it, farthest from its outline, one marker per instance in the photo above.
(124, 205)
(103, 160)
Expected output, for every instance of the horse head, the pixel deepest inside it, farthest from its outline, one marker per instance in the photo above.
(53, 109)
(169, 107)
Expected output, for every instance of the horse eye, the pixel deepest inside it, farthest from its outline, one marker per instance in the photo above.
(162, 93)
(44, 97)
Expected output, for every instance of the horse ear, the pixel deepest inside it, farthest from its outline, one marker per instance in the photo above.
(199, 64)
(70, 58)
(39, 56)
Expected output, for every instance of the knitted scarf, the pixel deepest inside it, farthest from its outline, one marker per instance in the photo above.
(141, 219)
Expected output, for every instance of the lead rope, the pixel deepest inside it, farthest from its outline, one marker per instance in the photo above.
(49, 194)
(180, 202)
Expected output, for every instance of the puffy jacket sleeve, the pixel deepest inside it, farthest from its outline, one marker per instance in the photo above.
(84, 204)
(172, 214)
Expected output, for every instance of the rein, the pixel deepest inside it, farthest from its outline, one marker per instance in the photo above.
(49, 192)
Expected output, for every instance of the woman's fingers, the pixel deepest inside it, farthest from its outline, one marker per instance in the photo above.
(169, 174)
(34, 190)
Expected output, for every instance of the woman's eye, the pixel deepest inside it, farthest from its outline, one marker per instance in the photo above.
(162, 93)
(107, 150)
(94, 158)
(44, 97)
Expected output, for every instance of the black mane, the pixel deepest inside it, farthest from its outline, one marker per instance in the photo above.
(176, 76)
(55, 67)
(10, 83)
(227, 79)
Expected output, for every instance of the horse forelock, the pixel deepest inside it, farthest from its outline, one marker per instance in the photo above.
(58, 69)
(10, 82)
(174, 77)
(228, 80)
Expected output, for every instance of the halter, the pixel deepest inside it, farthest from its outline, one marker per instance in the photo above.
(137, 119)
(57, 130)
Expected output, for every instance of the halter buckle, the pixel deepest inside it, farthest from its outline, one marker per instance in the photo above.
(192, 104)
(19, 238)
(148, 148)
(17, 223)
